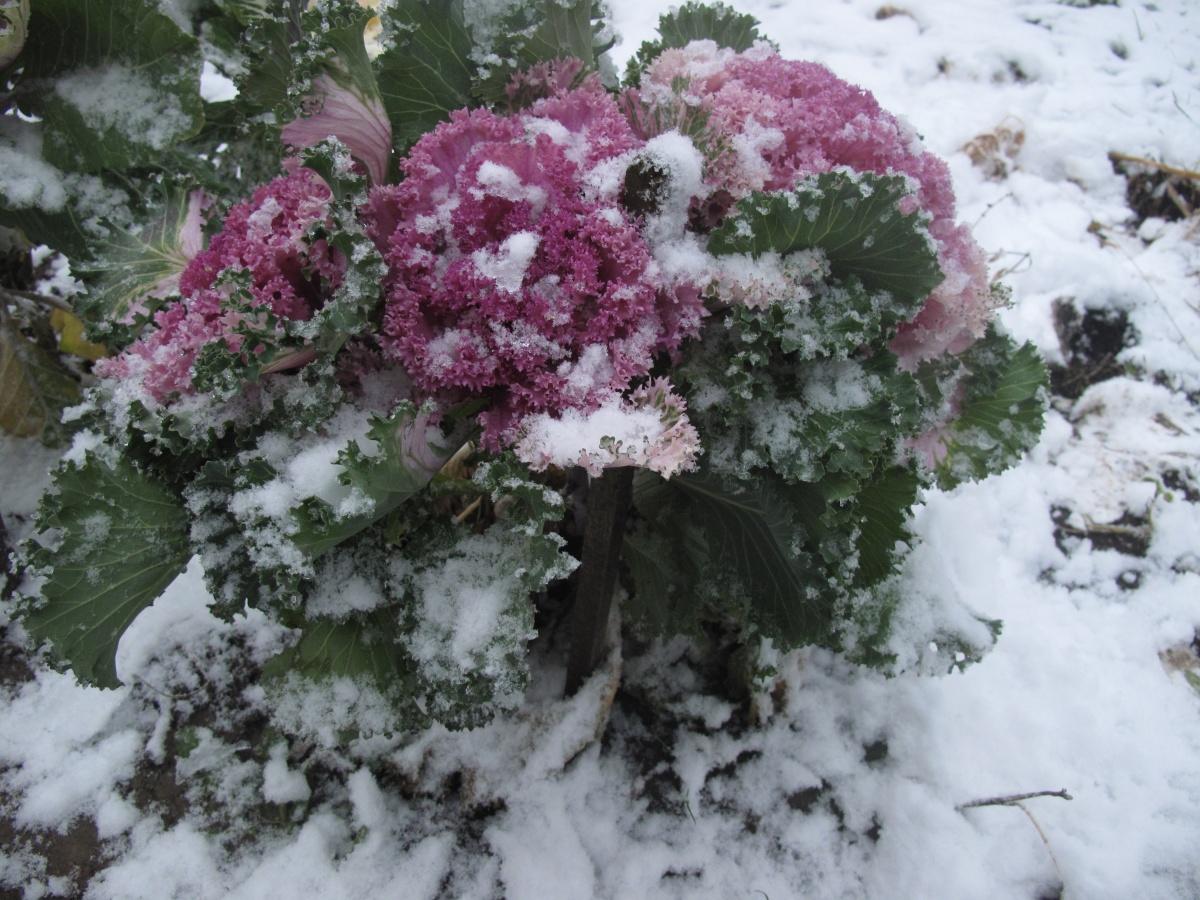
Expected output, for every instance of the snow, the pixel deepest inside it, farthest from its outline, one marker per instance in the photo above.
(500, 181)
(60, 750)
(215, 87)
(124, 100)
(838, 386)
(507, 265)
(461, 606)
(280, 783)
(573, 436)
(676, 155)
(29, 181)
(650, 430)
(846, 783)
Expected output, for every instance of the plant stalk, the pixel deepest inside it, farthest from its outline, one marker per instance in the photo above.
(609, 499)
(8, 577)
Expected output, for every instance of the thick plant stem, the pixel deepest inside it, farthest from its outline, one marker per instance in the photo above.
(609, 497)
(8, 578)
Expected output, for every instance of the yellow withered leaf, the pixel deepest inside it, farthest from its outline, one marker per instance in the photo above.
(71, 336)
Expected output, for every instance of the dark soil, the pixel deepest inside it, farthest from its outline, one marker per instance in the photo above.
(1183, 483)
(1129, 535)
(16, 267)
(76, 854)
(1155, 194)
(1090, 344)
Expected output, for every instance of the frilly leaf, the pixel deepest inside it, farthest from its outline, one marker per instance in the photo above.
(694, 22)
(855, 219)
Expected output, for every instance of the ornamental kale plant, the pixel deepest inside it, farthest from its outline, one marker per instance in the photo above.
(377, 334)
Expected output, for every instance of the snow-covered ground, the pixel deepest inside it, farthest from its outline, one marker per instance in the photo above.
(848, 784)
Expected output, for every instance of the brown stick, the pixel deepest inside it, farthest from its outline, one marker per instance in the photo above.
(1154, 164)
(1045, 842)
(609, 497)
(466, 513)
(1014, 799)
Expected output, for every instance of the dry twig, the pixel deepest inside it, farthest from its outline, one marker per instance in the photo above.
(1014, 799)
(1154, 164)
(1017, 801)
(466, 513)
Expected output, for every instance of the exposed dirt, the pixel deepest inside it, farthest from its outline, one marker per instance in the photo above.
(1129, 535)
(1157, 193)
(1090, 342)
(75, 855)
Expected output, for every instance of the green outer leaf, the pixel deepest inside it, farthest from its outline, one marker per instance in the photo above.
(530, 503)
(564, 31)
(247, 11)
(849, 440)
(853, 218)
(1003, 413)
(884, 506)
(340, 26)
(750, 532)
(35, 387)
(68, 35)
(264, 85)
(62, 230)
(331, 649)
(72, 143)
(98, 583)
(662, 597)
(71, 34)
(780, 558)
(693, 22)
(716, 22)
(427, 72)
(391, 477)
(543, 31)
(128, 266)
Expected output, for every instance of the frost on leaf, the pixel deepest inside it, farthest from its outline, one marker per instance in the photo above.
(1001, 413)
(426, 72)
(111, 539)
(857, 220)
(450, 612)
(407, 448)
(122, 82)
(694, 21)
